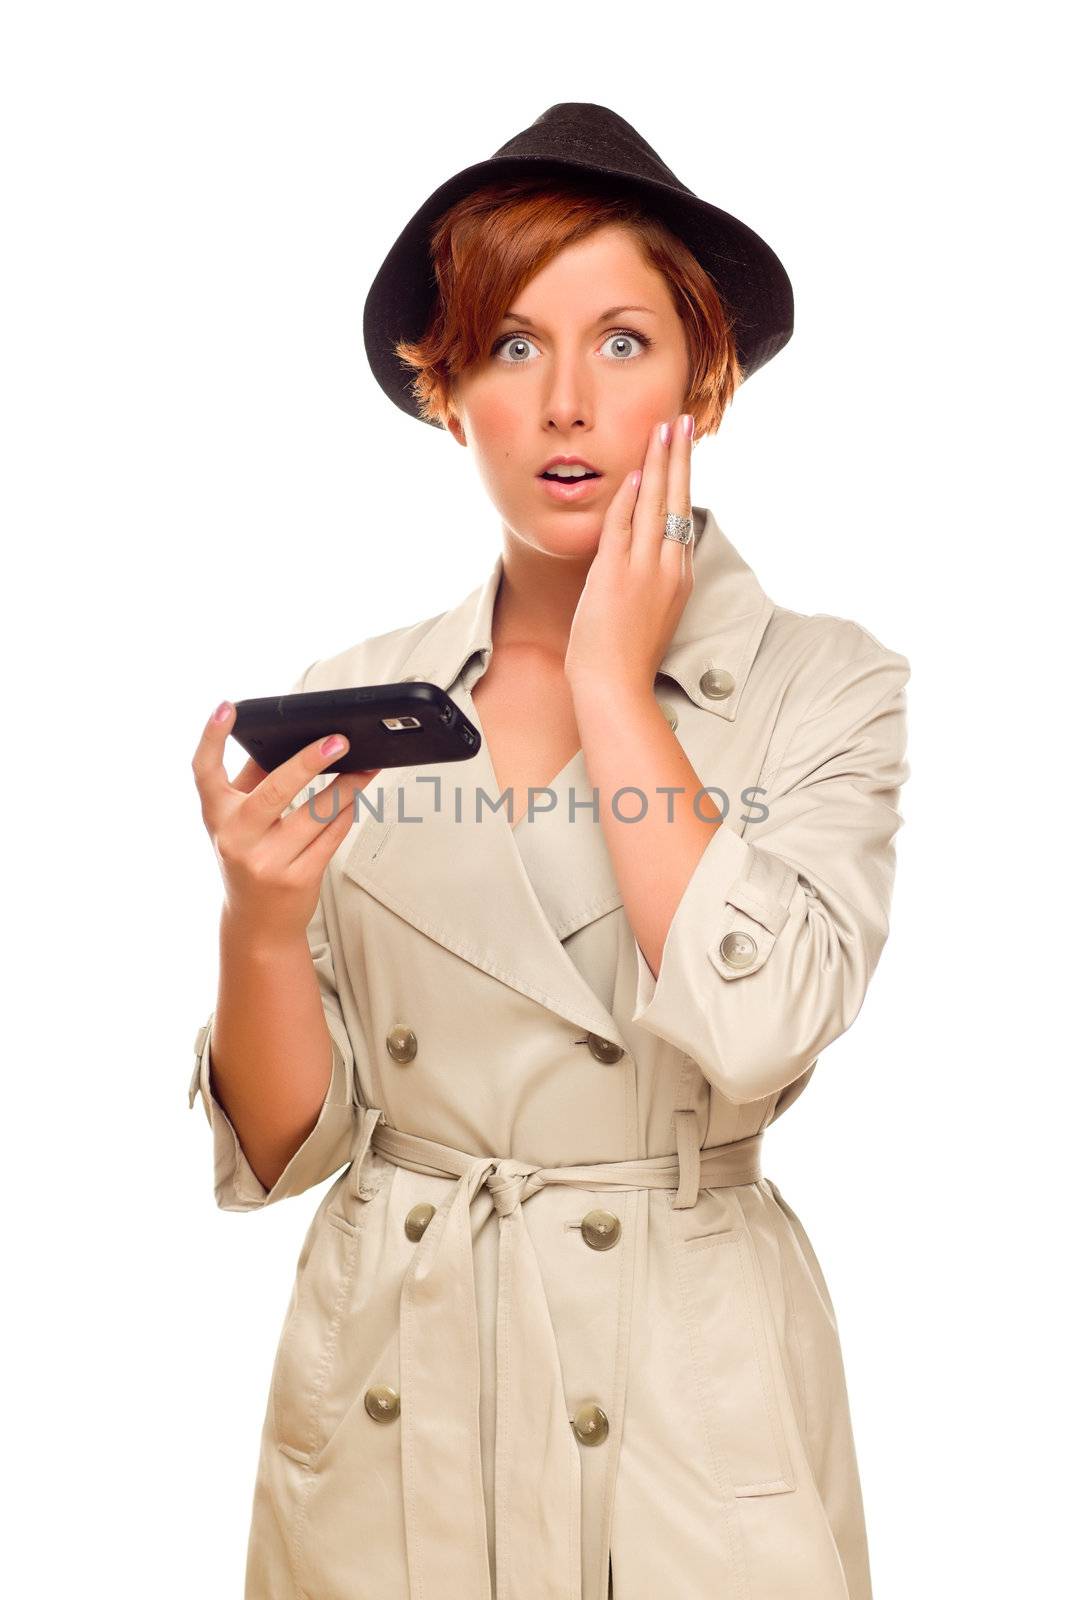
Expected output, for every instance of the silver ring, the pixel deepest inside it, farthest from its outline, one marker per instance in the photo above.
(681, 529)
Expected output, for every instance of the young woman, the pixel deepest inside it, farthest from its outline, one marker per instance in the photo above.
(554, 1334)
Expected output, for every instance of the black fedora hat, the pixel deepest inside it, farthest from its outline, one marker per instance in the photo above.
(573, 139)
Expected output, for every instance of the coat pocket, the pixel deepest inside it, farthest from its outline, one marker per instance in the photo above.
(734, 1361)
(315, 1317)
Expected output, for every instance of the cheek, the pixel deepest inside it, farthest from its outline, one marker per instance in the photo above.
(496, 424)
(636, 422)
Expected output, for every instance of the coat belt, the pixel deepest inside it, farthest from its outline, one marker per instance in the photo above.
(537, 1483)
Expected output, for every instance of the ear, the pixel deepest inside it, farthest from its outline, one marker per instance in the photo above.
(455, 427)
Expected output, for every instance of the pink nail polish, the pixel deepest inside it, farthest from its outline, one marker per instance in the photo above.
(666, 432)
(688, 426)
(221, 711)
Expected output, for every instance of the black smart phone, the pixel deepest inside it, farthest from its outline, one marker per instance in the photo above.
(386, 724)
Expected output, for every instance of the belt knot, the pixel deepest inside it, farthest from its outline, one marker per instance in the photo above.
(511, 1183)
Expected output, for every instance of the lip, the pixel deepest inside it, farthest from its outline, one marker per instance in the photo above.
(568, 461)
(567, 492)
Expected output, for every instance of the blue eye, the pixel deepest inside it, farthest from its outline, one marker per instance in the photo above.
(512, 339)
(618, 334)
(625, 333)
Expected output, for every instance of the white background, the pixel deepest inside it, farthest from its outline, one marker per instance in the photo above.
(205, 490)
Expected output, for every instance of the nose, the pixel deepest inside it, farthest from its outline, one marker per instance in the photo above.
(567, 400)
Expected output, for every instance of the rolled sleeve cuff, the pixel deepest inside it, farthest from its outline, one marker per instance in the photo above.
(326, 1148)
(728, 919)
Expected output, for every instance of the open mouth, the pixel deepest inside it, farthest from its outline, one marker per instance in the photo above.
(568, 491)
(572, 477)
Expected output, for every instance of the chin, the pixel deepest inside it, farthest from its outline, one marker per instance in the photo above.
(567, 533)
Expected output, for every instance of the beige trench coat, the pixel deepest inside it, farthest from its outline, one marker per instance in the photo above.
(551, 1310)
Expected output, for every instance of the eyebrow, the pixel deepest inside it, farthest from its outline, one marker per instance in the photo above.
(606, 316)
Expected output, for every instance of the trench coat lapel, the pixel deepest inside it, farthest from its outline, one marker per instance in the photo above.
(436, 848)
(447, 862)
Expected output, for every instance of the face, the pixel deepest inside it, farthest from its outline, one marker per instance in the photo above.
(564, 379)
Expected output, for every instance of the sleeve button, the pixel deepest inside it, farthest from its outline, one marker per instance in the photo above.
(738, 949)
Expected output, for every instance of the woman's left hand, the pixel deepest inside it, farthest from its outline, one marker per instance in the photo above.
(639, 582)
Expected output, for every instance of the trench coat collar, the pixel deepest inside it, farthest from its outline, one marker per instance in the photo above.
(720, 630)
(432, 849)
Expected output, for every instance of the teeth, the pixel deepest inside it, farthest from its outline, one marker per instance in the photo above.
(567, 472)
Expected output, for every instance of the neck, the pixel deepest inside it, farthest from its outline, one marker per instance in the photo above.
(537, 597)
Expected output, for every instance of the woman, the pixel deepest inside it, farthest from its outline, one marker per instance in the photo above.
(553, 1333)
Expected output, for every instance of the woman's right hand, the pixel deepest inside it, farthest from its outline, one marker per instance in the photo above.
(272, 866)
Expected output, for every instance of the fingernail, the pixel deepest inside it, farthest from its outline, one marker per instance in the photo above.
(688, 426)
(221, 711)
(331, 746)
(666, 432)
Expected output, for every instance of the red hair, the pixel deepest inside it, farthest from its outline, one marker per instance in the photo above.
(491, 243)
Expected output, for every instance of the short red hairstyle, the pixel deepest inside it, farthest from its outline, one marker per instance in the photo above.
(491, 243)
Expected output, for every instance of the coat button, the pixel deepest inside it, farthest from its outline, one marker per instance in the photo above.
(401, 1043)
(738, 949)
(601, 1229)
(590, 1424)
(417, 1220)
(382, 1403)
(669, 712)
(716, 684)
(602, 1049)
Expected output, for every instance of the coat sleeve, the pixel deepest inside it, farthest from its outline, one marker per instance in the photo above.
(776, 936)
(328, 1146)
